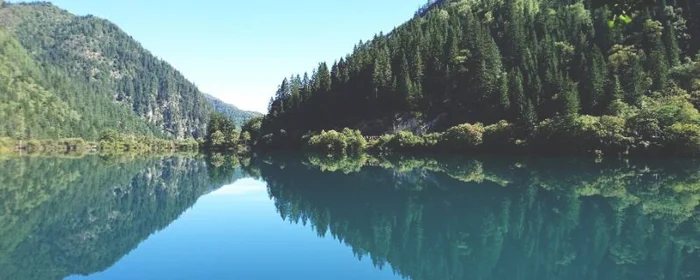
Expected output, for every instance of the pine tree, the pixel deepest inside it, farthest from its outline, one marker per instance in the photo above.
(570, 101)
(657, 63)
(323, 79)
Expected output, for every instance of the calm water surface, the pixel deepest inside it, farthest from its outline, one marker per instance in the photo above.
(306, 217)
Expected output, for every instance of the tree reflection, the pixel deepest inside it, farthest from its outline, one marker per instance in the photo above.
(61, 216)
(500, 218)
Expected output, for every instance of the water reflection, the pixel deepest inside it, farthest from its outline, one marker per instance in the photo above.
(450, 218)
(425, 218)
(62, 216)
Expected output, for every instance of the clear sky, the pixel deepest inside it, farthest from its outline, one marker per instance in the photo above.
(239, 51)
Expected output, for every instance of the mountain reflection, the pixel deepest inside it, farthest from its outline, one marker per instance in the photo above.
(450, 218)
(62, 216)
(427, 218)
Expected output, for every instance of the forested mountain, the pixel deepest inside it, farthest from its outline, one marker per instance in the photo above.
(533, 63)
(236, 114)
(97, 58)
(38, 101)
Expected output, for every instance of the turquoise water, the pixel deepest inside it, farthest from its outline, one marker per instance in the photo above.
(299, 217)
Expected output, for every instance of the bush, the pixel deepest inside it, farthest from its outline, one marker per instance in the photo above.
(34, 146)
(328, 142)
(683, 139)
(612, 134)
(669, 111)
(110, 135)
(463, 137)
(346, 142)
(356, 143)
(606, 133)
(499, 136)
(405, 141)
(431, 140)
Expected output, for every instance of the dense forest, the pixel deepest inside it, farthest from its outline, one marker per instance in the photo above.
(40, 103)
(75, 76)
(499, 218)
(538, 72)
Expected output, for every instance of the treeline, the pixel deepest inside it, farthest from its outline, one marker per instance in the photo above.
(110, 142)
(549, 69)
(586, 135)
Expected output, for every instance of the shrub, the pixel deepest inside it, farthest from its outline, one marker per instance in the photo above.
(355, 141)
(606, 133)
(34, 146)
(431, 140)
(329, 142)
(346, 142)
(110, 135)
(382, 144)
(669, 111)
(499, 135)
(463, 137)
(646, 130)
(405, 141)
(683, 139)
(612, 134)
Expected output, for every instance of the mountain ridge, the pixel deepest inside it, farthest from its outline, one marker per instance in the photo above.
(97, 53)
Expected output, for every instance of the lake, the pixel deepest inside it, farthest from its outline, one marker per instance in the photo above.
(309, 217)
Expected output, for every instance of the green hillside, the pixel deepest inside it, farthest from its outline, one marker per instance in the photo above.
(40, 102)
(102, 60)
(554, 71)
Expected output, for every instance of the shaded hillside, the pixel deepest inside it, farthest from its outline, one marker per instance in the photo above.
(110, 63)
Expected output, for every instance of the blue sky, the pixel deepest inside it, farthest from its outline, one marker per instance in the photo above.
(240, 51)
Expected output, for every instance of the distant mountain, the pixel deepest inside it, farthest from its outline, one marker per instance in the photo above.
(97, 60)
(239, 116)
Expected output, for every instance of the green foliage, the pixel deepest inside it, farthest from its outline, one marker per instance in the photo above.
(253, 127)
(499, 136)
(347, 142)
(82, 74)
(683, 139)
(404, 141)
(463, 137)
(221, 133)
(109, 135)
(529, 63)
(40, 102)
